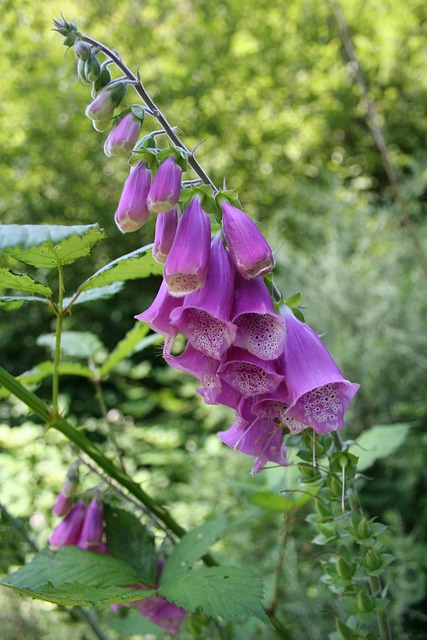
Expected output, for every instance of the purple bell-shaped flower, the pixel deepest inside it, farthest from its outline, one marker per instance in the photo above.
(69, 529)
(93, 528)
(204, 317)
(157, 316)
(123, 136)
(248, 374)
(249, 250)
(166, 186)
(186, 266)
(132, 209)
(259, 329)
(166, 225)
(319, 395)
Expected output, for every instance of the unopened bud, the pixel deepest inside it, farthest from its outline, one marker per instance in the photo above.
(103, 80)
(166, 186)
(132, 209)
(345, 568)
(123, 136)
(92, 530)
(166, 225)
(364, 602)
(81, 72)
(82, 49)
(92, 69)
(364, 529)
(102, 108)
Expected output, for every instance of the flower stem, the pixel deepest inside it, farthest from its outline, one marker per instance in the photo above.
(58, 333)
(157, 114)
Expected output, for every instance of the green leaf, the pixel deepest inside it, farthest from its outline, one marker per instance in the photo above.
(379, 442)
(75, 344)
(294, 300)
(44, 245)
(138, 264)
(99, 293)
(22, 282)
(228, 592)
(11, 303)
(280, 504)
(130, 541)
(73, 576)
(193, 546)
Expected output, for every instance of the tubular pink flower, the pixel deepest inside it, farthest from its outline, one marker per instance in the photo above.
(205, 316)
(248, 374)
(62, 505)
(93, 529)
(200, 366)
(68, 530)
(249, 250)
(123, 136)
(262, 439)
(166, 187)
(166, 225)
(319, 394)
(186, 266)
(132, 209)
(157, 316)
(259, 329)
(165, 614)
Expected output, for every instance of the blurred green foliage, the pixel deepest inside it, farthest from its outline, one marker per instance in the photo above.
(268, 88)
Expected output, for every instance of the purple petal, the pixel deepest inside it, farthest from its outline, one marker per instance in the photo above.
(166, 225)
(248, 374)
(157, 316)
(166, 187)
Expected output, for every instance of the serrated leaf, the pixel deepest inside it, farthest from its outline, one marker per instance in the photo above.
(11, 303)
(75, 344)
(73, 576)
(44, 245)
(130, 541)
(99, 293)
(193, 546)
(125, 347)
(228, 592)
(138, 264)
(22, 282)
(379, 442)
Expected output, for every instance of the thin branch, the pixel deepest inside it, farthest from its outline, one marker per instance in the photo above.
(379, 137)
(157, 114)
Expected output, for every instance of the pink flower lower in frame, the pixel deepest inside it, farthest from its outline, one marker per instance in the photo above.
(157, 316)
(166, 186)
(93, 528)
(259, 329)
(166, 226)
(249, 250)
(319, 395)
(199, 365)
(186, 266)
(132, 211)
(69, 529)
(204, 317)
(248, 374)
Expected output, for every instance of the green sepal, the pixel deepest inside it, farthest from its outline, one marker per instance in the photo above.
(103, 79)
(81, 72)
(294, 300)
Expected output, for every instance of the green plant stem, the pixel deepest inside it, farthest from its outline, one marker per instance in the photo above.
(157, 114)
(58, 333)
(78, 438)
(375, 585)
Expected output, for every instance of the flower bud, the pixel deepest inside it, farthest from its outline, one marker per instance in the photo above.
(364, 602)
(68, 531)
(82, 49)
(186, 266)
(132, 210)
(122, 137)
(81, 72)
(166, 225)
(92, 69)
(102, 108)
(64, 500)
(345, 568)
(62, 505)
(103, 80)
(92, 530)
(249, 250)
(166, 186)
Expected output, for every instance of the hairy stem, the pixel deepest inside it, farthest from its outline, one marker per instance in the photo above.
(58, 333)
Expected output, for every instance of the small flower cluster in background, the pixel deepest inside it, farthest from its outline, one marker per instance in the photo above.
(82, 525)
(249, 352)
